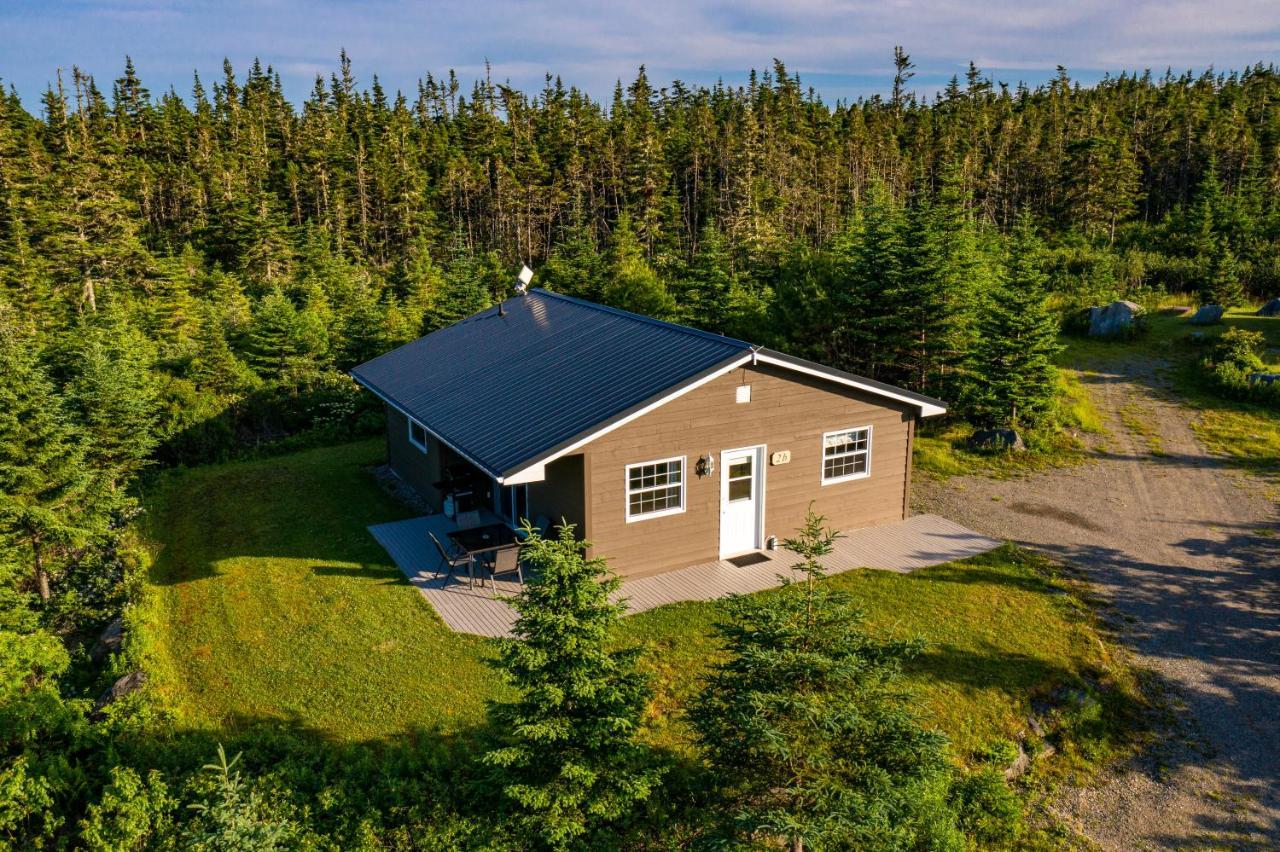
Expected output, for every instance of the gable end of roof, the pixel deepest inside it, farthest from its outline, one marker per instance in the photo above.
(926, 405)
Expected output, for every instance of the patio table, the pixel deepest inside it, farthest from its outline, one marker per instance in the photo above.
(477, 541)
(484, 539)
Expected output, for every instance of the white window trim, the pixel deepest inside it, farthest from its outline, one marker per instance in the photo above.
(627, 492)
(425, 432)
(822, 456)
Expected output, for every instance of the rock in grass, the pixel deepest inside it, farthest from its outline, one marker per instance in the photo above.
(131, 682)
(109, 641)
(997, 439)
(1208, 315)
(1020, 764)
(1264, 378)
(1114, 320)
(1270, 309)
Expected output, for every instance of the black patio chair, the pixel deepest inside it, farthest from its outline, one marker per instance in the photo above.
(452, 560)
(505, 561)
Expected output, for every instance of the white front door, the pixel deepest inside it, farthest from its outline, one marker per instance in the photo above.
(740, 501)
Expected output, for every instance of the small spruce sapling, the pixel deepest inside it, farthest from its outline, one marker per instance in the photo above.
(570, 764)
(809, 740)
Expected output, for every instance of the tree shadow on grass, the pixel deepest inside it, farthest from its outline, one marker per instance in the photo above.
(1018, 675)
(314, 505)
(966, 574)
(388, 576)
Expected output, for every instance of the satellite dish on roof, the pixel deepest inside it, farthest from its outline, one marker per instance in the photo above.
(526, 275)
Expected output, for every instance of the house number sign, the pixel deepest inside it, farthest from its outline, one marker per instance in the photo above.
(780, 457)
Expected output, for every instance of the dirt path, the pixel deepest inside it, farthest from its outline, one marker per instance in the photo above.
(1189, 553)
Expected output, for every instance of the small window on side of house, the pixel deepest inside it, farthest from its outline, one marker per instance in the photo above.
(417, 434)
(655, 488)
(846, 454)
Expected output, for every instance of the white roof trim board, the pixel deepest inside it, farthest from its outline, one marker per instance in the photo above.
(928, 408)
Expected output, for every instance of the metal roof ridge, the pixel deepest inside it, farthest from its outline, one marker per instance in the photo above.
(685, 329)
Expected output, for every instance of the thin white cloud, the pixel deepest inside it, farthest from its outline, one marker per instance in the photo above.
(843, 44)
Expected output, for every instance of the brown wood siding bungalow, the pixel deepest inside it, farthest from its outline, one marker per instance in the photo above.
(790, 409)
(787, 412)
(420, 469)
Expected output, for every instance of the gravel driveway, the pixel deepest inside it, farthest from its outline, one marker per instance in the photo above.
(1188, 551)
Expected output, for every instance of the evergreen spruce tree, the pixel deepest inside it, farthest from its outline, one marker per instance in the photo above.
(91, 227)
(232, 308)
(318, 329)
(809, 737)
(1014, 379)
(114, 393)
(1222, 284)
(214, 366)
(422, 282)
(51, 501)
(574, 267)
(709, 286)
(944, 272)
(364, 330)
(630, 282)
(465, 289)
(571, 764)
(172, 310)
(275, 338)
(869, 292)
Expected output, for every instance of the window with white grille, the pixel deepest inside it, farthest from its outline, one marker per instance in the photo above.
(846, 454)
(655, 488)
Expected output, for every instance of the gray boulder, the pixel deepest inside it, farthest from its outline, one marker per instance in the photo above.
(1264, 378)
(131, 682)
(1019, 766)
(1208, 315)
(1114, 319)
(109, 641)
(998, 439)
(1270, 309)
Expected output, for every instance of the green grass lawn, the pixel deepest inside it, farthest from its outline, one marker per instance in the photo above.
(1246, 434)
(942, 450)
(269, 601)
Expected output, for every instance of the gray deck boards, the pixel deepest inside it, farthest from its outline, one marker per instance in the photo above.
(917, 542)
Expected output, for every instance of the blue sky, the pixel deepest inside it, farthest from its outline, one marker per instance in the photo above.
(841, 47)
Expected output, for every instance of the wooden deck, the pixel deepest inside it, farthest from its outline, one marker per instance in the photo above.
(917, 542)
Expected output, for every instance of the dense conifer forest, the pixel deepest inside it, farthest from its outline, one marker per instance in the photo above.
(186, 277)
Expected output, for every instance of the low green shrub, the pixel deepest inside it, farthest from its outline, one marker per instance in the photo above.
(989, 812)
(1232, 360)
(999, 753)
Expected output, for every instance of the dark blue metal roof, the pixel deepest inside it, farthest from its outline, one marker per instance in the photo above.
(505, 389)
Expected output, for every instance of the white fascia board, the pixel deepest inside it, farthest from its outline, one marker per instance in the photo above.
(533, 473)
(536, 471)
(927, 409)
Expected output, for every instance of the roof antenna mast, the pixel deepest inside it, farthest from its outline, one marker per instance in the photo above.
(522, 286)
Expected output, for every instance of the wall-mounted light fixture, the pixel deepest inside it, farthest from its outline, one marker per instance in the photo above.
(706, 465)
